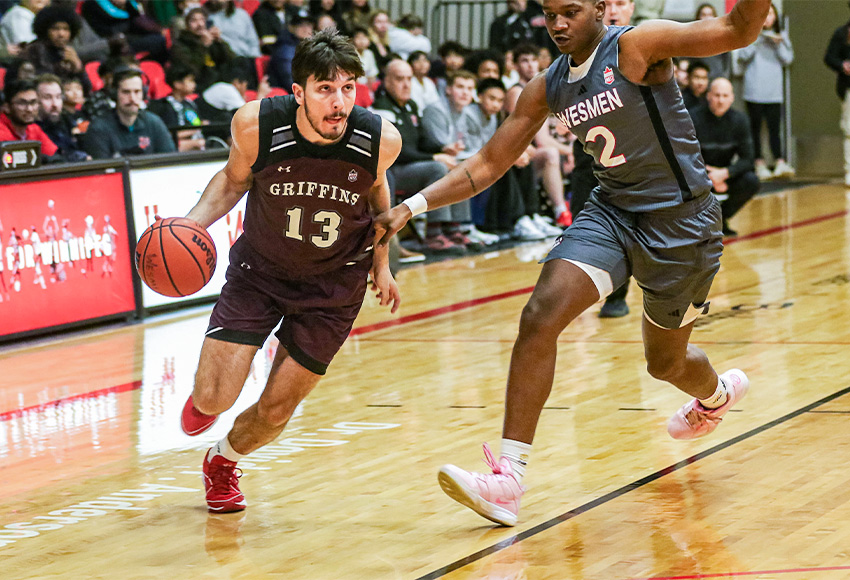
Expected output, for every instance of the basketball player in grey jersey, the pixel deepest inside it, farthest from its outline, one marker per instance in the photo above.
(653, 217)
(314, 166)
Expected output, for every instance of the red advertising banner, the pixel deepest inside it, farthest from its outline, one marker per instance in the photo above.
(63, 252)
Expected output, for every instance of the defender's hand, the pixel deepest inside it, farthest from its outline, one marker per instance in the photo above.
(385, 287)
(390, 222)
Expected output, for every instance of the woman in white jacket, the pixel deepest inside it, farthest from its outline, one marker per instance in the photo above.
(763, 63)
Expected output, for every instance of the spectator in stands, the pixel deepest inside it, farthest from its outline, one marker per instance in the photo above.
(21, 70)
(176, 110)
(112, 17)
(837, 58)
(719, 65)
(55, 28)
(297, 8)
(423, 90)
(73, 98)
(510, 76)
(325, 21)
(694, 94)
(58, 125)
(269, 21)
(379, 29)
(452, 56)
(220, 102)
(545, 152)
(360, 39)
(407, 37)
(444, 122)
(280, 65)
(16, 27)
(129, 129)
(727, 148)
(485, 64)
(523, 23)
(101, 102)
(330, 8)
(201, 49)
(19, 113)
(763, 63)
(237, 28)
(681, 72)
(421, 161)
(358, 15)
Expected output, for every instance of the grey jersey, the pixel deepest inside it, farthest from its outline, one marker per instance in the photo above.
(644, 147)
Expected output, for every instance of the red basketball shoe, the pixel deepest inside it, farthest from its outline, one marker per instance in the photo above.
(193, 421)
(221, 481)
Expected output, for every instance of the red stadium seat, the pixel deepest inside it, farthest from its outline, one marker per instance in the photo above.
(2, 76)
(91, 71)
(157, 87)
(262, 65)
(250, 5)
(364, 96)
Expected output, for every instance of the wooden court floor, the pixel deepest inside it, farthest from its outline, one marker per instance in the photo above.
(98, 481)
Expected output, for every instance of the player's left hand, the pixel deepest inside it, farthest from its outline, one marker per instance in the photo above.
(390, 222)
(385, 286)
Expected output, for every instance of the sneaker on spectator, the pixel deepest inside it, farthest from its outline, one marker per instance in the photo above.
(406, 256)
(542, 224)
(782, 169)
(525, 230)
(763, 173)
(441, 244)
(483, 237)
(461, 239)
(565, 219)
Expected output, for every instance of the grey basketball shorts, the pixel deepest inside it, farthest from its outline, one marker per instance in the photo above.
(672, 253)
(315, 313)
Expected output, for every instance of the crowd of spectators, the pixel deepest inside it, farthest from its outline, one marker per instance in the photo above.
(96, 79)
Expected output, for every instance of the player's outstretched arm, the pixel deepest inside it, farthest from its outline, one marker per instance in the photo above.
(657, 40)
(482, 169)
(229, 185)
(379, 202)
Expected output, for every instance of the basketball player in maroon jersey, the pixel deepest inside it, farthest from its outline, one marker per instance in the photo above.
(314, 166)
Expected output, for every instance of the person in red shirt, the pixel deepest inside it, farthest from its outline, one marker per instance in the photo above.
(19, 113)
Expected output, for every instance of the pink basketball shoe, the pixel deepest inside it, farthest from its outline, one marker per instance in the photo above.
(221, 482)
(693, 420)
(494, 495)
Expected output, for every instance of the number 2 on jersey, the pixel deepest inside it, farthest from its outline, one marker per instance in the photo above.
(330, 221)
(607, 158)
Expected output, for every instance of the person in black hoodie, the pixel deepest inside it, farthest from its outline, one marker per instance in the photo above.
(201, 50)
(110, 18)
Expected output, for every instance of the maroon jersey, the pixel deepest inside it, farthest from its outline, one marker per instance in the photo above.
(308, 208)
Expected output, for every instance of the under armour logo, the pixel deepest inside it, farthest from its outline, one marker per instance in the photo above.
(674, 314)
(245, 266)
(582, 89)
(287, 169)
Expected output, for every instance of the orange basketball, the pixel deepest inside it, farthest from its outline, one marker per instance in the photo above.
(175, 257)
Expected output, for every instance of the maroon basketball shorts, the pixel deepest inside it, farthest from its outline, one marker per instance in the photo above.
(315, 313)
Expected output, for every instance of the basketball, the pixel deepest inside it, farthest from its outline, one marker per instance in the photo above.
(175, 257)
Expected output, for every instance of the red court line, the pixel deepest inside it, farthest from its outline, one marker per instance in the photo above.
(416, 317)
(777, 229)
(739, 574)
(438, 311)
(90, 395)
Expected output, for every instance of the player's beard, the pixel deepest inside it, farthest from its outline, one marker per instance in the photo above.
(336, 131)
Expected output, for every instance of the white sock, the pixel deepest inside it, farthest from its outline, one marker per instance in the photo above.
(718, 399)
(224, 449)
(560, 208)
(517, 453)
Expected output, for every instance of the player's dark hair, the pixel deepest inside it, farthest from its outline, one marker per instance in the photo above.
(696, 65)
(485, 85)
(323, 55)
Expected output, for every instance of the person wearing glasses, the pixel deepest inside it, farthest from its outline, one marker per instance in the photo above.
(19, 114)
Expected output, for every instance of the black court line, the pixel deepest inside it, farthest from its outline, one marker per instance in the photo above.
(466, 407)
(556, 408)
(831, 412)
(384, 406)
(635, 409)
(626, 489)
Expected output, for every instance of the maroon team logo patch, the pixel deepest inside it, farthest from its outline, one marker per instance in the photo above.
(352, 176)
(609, 75)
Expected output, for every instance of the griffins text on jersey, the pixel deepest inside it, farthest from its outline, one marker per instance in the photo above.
(313, 189)
(595, 106)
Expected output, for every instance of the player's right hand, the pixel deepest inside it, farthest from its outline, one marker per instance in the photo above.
(390, 222)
